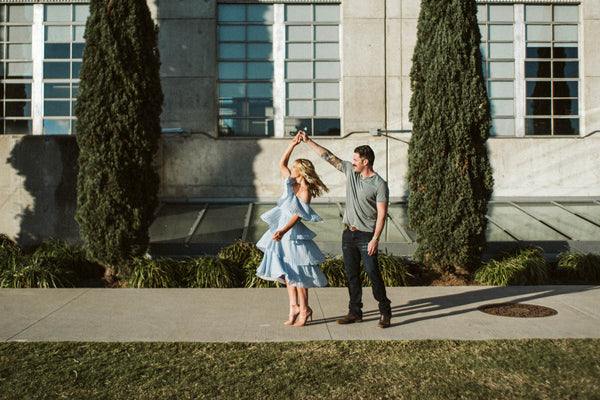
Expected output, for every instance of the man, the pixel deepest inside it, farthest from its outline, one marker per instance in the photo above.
(367, 197)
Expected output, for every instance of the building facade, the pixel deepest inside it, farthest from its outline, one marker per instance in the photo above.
(240, 77)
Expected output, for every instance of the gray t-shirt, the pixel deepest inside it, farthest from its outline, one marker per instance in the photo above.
(362, 196)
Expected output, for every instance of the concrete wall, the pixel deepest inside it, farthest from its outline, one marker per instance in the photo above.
(38, 175)
(378, 38)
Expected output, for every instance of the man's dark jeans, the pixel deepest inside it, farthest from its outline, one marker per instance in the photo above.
(354, 248)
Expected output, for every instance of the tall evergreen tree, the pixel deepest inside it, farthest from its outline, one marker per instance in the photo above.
(450, 177)
(118, 128)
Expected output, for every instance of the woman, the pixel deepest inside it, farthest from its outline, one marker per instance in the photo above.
(291, 256)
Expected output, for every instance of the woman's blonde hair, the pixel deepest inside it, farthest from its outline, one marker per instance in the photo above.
(315, 186)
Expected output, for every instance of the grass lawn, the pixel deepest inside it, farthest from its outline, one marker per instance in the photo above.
(440, 369)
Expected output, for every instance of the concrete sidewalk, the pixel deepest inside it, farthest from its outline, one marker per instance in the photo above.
(257, 315)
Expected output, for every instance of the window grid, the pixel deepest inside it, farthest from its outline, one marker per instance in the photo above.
(312, 91)
(496, 25)
(258, 105)
(552, 70)
(245, 59)
(64, 26)
(16, 68)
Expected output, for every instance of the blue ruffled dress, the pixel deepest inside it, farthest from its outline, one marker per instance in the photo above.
(295, 257)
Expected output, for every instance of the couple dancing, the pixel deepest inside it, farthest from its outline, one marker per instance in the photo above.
(292, 257)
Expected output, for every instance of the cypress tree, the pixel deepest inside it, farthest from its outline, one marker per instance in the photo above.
(118, 128)
(450, 177)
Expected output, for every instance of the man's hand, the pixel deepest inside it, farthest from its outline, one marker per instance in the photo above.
(372, 248)
(303, 135)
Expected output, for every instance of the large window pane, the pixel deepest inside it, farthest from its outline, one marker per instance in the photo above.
(260, 108)
(57, 126)
(566, 126)
(260, 13)
(503, 127)
(57, 50)
(17, 108)
(326, 33)
(260, 70)
(501, 89)
(539, 89)
(301, 13)
(501, 50)
(565, 51)
(260, 51)
(566, 13)
(232, 33)
(299, 50)
(57, 70)
(539, 107)
(20, 13)
(56, 108)
(260, 33)
(327, 70)
(232, 70)
(327, 50)
(229, 12)
(501, 32)
(58, 33)
(539, 32)
(16, 70)
(232, 50)
(57, 90)
(18, 91)
(566, 107)
(58, 13)
(299, 33)
(538, 126)
(566, 89)
(19, 51)
(299, 108)
(232, 90)
(81, 13)
(538, 13)
(327, 108)
(499, 69)
(256, 90)
(537, 69)
(302, 90)
(327, 13)
(502, 107)
(568, 69)
(501, 13)
(538, 50)
(327, 90)
(298, 70)
(565, 33)
(19, 33)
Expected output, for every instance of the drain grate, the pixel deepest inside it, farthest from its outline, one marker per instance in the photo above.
(519, 310)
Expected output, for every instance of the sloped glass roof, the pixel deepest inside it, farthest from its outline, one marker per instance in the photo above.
(203, 228)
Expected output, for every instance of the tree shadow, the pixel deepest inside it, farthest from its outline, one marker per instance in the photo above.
(48, 166)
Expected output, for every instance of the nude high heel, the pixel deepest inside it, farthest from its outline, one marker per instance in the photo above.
(294, 311)
(304, 317)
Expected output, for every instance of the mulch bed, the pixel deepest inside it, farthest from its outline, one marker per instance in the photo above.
(519, 310)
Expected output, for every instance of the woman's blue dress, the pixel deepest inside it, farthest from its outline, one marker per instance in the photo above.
(295, 257)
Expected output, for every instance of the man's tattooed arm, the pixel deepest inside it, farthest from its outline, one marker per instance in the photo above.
(332, 159)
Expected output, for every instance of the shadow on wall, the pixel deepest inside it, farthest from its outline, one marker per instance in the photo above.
(48, 165)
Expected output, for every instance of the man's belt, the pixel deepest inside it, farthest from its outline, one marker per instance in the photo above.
(350, 228)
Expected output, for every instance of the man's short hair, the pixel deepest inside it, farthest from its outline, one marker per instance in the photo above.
(366, 152)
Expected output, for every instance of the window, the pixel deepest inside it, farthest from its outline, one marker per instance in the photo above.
(64, 26)
(41, 48)
(16, 69)
(551, 70)
(497, 49)
(531, 66)
(279, 69)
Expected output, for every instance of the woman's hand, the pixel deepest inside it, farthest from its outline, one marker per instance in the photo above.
(278, 235)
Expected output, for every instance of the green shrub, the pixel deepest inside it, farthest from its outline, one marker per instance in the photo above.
(213, 272)
(579, 266)
(523, 266)
(8, 246)
(247, 257)
(71, 259)
(394, 270)
(333, 269)
(33, 272)
(154, 273)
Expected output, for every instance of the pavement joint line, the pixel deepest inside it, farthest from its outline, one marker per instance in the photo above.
(324, 317)
(46, 316)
